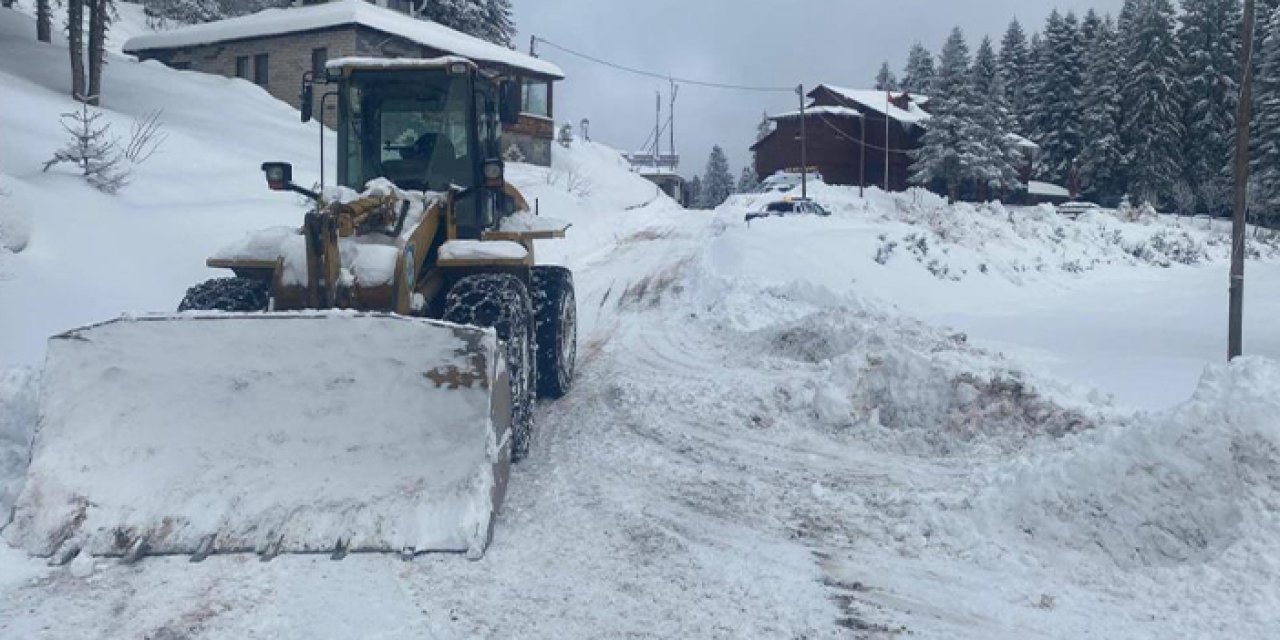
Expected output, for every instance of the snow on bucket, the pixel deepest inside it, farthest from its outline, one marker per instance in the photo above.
(275, 433)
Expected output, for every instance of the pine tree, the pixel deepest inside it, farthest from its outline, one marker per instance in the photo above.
(499, 27)
(101, 13)
(885, 80)
(764, 128)
(693, 193)
(91, 150)
(717, 183)
(919, 74)
(1015, 72)
(1056, 118)
(1210, 44)
(161, 13)
(997, 159)
(950, 146)
(1152, 94)
(747, 181)
(75, 46)
(44, 21)
(1265, 160)
(485, 19)
(1102, 158)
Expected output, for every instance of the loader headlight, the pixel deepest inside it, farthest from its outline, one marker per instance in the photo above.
(279, 175)
(493, 173)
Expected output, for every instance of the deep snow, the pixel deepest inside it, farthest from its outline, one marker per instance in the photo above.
(773, 434)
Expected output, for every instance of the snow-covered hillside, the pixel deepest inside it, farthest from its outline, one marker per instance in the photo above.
(773, 434)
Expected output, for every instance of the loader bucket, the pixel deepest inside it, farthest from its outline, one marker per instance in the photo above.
(321, 432)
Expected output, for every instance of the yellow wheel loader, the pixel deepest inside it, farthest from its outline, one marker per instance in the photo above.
(359, 384)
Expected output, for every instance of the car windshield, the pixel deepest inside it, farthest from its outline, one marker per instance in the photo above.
(780, 207)
(412, 131)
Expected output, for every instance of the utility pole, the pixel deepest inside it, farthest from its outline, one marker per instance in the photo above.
(674, 90)
(887, 104)
(862, 162)
(1235, 338)
(657, 130)
(804, 146)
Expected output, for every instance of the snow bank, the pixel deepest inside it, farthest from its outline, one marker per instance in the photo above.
(1181, 486)
(1018, 244)
(17, 422)
(91, 256)
(15, 227)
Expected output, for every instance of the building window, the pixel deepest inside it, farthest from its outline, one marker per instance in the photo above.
(242, 67)
(318, 58)
(260, 70)
(537, 95)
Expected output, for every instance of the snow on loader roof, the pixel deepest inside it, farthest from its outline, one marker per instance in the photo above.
(304, 432)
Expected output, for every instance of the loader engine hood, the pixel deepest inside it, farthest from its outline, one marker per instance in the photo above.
(368, 260)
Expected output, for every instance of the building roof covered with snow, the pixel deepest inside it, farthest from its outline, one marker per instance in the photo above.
(901, 106)
(826, 110)
(295, 20)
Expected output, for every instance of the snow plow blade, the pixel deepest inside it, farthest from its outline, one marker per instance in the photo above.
(322, 432)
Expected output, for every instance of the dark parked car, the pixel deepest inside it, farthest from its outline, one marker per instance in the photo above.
(789, 207)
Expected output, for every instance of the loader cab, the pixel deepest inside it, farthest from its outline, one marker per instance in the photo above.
(426, 125)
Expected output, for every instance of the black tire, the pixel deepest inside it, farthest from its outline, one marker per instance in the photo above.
(501, 301)
(556, 310)
(227, 294)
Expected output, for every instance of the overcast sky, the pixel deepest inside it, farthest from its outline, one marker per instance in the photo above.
(755, 42)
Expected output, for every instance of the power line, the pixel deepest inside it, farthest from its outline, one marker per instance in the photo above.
(846, 136)
(662, 76)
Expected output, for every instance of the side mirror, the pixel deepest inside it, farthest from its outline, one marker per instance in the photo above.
(494, 173)
(308, 97)
(510, 101)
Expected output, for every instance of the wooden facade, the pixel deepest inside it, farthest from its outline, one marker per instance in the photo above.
(834, 128)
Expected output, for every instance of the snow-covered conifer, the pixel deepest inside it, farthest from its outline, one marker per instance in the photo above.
(1102, 156)
(91, 150)
(747, 180)
(919, 74)
(1015, 72)
(1151, 92)
(885, 80)
(1210, 44)
(995, 164)
(1056, 117)
(949, 148)
(717, 183)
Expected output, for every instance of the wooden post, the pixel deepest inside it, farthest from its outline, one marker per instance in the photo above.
(804, 146)
(1235, 338)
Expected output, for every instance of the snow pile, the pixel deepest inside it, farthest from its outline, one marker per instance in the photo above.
(1020, 244)
(1181, 486)
(91, 256)
(902, 383)
(15, 228)
(17, 421)
(592, 187)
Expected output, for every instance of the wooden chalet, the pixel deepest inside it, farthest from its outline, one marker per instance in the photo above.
(846, 129)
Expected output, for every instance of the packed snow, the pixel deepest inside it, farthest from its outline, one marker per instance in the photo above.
(907, 418)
